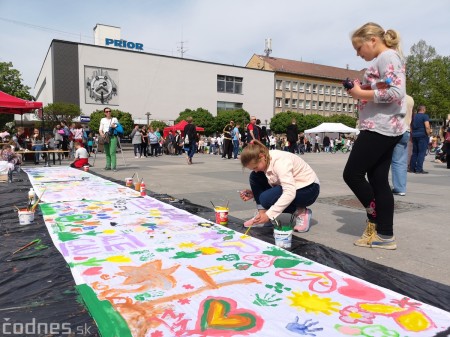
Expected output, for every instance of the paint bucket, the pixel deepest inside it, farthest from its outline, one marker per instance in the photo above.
(283, 238)
(128, 182)
(221, 215)
(137, 186)
(26, 217)
(86, 168)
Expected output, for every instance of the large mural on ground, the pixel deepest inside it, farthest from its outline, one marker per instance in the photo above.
(145, 268)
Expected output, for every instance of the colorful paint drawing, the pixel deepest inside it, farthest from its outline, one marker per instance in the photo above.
(149, 269)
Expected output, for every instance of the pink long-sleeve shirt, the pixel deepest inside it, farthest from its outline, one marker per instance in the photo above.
(292, 173)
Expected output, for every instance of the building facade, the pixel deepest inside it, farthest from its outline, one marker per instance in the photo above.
(308, 88)
(95, 76)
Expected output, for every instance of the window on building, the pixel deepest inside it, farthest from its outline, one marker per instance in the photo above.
(229, 84)
(339, 107)
(294, 103)
(287, 85)
(278, 102)
(339, 91)
(220, 83)
(314, 88)
(294, 86)
(287, 102)
(327, 106)
(333, 106)
(344, 107)
(278, 84)
(320, 105)
(301, 87)
(307, 104)
(314, 105)
(327, 90)
(221, 105)
(308, 88)
(333, 91)
(321, 89)
(301, 103)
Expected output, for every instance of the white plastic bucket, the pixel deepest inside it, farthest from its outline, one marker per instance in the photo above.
(129, 182)
(26, 217)
(283, 239)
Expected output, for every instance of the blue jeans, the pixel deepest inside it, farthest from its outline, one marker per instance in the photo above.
(399, 164)
(235, 148)
(420, 145)
(190, 149)
(36, 155)
(266, 195)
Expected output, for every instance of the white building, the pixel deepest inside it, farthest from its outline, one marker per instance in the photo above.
(117, 74)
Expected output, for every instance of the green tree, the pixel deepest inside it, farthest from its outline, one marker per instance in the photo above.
(344, 119)
(280, 121)
(60, 111)
(225, 116)
(202, 117)
(428, 80)
(11, 83)
(124, 118)
(158, 124)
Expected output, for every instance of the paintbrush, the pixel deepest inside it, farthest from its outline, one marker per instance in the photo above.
(248, 230)
(37, 202)
(212, 204)
(17, 208)
(228, 202)
(26, 246)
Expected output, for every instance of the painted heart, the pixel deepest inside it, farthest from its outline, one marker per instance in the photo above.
(359, 290)
(219, 313)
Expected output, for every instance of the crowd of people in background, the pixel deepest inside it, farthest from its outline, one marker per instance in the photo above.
(150, 142)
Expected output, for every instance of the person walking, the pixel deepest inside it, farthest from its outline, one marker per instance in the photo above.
(381, 121)
(252, 130)
(292, 135)
(136, 141)
(189, 139)
(236, 140)
(228, 141)
(447, 145)
(399, 165)
(110, 140)
(420, 132)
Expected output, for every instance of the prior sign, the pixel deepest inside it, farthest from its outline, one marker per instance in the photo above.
(124, 44)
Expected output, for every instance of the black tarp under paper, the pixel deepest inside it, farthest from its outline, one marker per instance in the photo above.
(36, 285)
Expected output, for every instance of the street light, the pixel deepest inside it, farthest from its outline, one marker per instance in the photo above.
(148, 114)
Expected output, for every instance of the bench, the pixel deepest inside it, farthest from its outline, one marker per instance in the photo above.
(47, 157)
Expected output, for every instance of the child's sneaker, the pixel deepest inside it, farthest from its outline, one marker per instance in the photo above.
(302, 221)
(371, 239)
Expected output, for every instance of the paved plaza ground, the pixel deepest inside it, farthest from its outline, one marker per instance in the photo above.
(421, 217)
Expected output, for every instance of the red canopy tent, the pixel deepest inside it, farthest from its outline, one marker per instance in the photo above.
(13, 105)
(179, 126)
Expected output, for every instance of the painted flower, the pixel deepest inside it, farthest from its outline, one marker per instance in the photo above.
(352, 315)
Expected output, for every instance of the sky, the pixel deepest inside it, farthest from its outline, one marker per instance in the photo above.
(227, 31)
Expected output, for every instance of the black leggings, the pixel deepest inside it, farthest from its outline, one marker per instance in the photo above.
(372, 155)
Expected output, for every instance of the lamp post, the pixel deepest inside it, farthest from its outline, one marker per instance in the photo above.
(148, 114)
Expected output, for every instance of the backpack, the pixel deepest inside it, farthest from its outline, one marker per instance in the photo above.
(118, 130)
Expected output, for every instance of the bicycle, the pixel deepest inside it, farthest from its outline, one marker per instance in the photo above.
(339, 147)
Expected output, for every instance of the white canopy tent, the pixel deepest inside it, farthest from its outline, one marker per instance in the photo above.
(332, 127)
